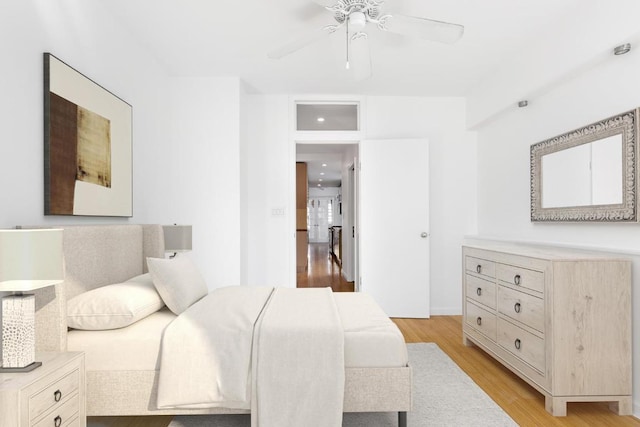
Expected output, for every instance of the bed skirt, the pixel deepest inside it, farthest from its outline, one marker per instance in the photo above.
(112, 393)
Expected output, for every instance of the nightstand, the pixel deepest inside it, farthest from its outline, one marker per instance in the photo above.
(52, 395)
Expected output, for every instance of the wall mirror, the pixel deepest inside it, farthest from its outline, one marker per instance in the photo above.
(588, 174)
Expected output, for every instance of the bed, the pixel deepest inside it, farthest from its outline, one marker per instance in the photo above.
(124, 364)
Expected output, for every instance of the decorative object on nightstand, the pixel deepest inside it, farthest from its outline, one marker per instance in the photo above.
(177, 238)
(52, 396)
(29, 260)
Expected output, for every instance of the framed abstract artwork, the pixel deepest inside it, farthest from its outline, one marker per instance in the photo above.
(87, 146)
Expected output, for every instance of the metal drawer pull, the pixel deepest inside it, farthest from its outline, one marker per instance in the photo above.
(517, 343)
(478, 269)
(479, 292)
(516, 279)
(479, 321)
(57, 421)
(516, 307)
(57, 395)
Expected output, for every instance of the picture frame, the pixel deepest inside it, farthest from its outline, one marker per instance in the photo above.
(88, 156)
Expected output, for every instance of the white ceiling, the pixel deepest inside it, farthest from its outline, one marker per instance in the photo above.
(232, 38)
(324, 162)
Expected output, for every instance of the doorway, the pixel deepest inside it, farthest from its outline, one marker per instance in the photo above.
(326, 258)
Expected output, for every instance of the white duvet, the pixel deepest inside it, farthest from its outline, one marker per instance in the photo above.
(278, 352)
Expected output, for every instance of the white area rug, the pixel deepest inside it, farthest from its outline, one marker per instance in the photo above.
(443, 396)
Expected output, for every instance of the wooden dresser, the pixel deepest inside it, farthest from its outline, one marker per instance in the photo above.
(559, 319)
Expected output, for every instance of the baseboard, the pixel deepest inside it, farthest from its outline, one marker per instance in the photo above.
(344, 276)
(636, 409)
(446, 311)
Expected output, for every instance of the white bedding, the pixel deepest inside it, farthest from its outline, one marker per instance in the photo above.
(205, 358)
(371, 339)
(134, 348)
(298, 361)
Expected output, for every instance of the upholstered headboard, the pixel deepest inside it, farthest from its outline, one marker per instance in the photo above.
(94, 256)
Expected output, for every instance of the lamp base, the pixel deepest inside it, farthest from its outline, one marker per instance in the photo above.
(18, 349)
(27, 368)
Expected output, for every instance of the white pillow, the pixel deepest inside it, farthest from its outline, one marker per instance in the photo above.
(114, 306)
(178, 281)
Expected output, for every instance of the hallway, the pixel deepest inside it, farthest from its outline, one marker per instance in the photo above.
(323, 270)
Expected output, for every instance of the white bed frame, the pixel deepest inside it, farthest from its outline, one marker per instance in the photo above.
(101, 255)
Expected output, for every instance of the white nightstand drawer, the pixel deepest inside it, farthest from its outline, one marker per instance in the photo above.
(54, 395)
(55, 389)
(61, 416)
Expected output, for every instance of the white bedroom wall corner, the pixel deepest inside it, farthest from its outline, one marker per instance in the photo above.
(244, 184)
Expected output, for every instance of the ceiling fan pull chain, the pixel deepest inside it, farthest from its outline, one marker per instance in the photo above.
(347, 32)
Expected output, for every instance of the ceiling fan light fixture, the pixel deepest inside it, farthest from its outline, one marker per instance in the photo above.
(357, 21)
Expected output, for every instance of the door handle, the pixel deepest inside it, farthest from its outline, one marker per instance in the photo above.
(424, 235)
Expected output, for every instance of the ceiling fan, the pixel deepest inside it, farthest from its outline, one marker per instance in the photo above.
(355, 16)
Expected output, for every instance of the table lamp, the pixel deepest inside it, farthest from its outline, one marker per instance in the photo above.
(29, 260)
(177, 238)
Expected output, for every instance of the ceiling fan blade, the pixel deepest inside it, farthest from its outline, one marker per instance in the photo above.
(428, 29)
(360, 57)
(300, 42)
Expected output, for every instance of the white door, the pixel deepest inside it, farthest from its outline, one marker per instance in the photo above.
(318, 211)
(394, 225)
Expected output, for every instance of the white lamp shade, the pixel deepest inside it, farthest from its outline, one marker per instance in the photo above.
(30, 259)
(177, 238)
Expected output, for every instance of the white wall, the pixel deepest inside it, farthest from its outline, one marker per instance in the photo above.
(607, 88)
(441, 120)
(186, 131)
(197, 173)
(268, 188)
(83, 36)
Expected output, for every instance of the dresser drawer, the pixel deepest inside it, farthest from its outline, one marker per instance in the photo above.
(481, 266)
(54, 394)
(518, 276)
(480, 290)
(62, 416)
(522, 344)
(522, 307)
(480, 319)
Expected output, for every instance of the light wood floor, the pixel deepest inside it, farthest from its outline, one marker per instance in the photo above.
(323, 270)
